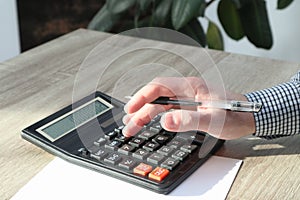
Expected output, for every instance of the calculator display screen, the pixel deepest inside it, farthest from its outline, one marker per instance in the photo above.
(71, 120)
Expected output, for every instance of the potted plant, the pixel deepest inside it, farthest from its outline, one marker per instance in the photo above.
(239, 19)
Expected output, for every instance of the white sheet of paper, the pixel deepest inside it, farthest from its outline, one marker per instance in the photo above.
(63, 180)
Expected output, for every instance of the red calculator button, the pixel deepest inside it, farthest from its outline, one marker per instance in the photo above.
(159, 174)
(142, 169)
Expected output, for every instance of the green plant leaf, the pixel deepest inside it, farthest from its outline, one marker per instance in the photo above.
(255, 22)
(202, 9)
(281, 4)
(119, 6)
(194, 30)
(145, 22)
(214, 37)
(124, 26)
(237, 3)
(183, 11)
(230, 19)
(144, 4)
(103, 20)
(161, 13)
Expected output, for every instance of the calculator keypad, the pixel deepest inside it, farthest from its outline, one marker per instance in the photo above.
(153, 153)
(154, 158)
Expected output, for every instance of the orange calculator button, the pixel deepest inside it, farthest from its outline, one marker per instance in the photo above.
(142, 169)
(159, 174)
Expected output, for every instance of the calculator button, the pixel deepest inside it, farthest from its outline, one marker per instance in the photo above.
(180, 155)
(113, 144)
(155, 120)
(127, 163)
(147, 135)
(136, 142)
(142, 169)
(186, 136)
(160, 139)
(151, 146)
(191, 137)
(165, 150)
(168, 133)
(170, 163)
(154, 129)
(141, 154)
(188, 148)
(159, 174)
(125, 149)
(175, 143)
(100, 141)
(155, 158)
(99, 154)
(122, 138)
(198, 139)
(110, 135)
(119, 130)
(84, 152)
(156, 124)
(113, 158)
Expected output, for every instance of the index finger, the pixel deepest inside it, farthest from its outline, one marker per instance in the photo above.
(167, 86)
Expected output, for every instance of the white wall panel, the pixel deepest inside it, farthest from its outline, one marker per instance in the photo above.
(9, 30)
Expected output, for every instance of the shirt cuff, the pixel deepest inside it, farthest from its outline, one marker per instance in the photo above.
(280, 112)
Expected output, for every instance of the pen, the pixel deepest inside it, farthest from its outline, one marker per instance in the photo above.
(232, 105)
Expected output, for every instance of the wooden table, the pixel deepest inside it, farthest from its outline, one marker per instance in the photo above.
(43, 80)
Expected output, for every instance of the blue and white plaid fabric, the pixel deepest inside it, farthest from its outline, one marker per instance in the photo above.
(280, 114)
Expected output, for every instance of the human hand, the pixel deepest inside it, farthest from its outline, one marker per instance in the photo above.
(219, 123)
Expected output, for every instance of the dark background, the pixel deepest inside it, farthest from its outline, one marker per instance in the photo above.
(41, 21)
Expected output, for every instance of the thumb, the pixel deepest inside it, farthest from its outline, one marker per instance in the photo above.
(184, 120)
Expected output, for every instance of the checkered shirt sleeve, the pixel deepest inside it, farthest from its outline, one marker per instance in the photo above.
(280, 113)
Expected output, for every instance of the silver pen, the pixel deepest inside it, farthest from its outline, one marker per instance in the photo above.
(232, 105)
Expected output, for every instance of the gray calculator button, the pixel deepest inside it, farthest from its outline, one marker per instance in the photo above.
(136, 142)
(188, 148)
(151, 146)
(122, 138)
(154, 129)
(113, 158)
(100, 141)
(113, 144)
(191, 137)
(99, 154)
(175, 143)
(110, 135)
(165, 150)
(127, 163)
(155, 158)
(126, 149)
(147, 135)
(170, 163)
(179, 155)
(161, 139)
(119, 130)
(141, 154)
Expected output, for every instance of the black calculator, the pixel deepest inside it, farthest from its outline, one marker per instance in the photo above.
(89, 133)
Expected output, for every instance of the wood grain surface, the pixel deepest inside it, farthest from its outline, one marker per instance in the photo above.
(42, 80)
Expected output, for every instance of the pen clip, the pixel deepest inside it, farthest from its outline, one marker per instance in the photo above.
(244, 106)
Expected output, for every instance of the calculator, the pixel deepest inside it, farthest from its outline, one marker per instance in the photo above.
(88, 133)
